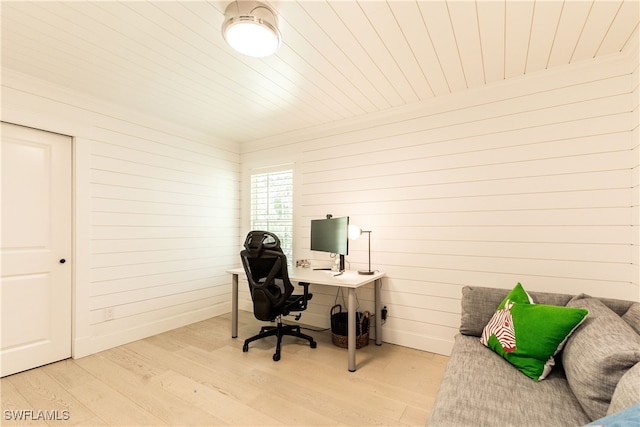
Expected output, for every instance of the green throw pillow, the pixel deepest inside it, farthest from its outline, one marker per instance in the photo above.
(517, 294)
(528, 335)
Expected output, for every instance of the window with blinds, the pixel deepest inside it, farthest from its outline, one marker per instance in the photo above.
(272, 206)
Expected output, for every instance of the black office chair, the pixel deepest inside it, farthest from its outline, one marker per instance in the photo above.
(271, 290)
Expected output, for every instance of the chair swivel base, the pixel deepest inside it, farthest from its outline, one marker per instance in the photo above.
(279, 331)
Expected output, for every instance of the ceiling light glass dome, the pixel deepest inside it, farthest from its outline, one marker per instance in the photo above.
(251, 28)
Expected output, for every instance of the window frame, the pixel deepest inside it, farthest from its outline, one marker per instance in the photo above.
(288, 238)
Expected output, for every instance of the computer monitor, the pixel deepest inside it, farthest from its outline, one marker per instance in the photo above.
(331, 235)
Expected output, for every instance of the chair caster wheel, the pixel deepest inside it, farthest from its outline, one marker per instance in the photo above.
(276, 357)
(313, 344)
(245, 348)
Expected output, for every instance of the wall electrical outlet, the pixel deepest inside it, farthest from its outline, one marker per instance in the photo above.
(108, 313)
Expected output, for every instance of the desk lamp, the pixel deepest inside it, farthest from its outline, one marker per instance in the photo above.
(354, 233)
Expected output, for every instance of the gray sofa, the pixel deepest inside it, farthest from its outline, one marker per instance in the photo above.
(596, 374)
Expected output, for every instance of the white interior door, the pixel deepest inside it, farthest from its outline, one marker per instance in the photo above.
(35, 298)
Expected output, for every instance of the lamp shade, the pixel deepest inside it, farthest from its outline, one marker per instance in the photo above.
(354, 231)
(251, 28)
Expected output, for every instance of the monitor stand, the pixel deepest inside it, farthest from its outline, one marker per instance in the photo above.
(341, 262)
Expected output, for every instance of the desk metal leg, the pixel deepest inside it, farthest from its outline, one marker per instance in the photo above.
(378, 306)
(351, 330)
(234, 306)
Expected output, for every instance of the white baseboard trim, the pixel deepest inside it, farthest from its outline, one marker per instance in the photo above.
(391, 336)
(419, 342)
(85, 346)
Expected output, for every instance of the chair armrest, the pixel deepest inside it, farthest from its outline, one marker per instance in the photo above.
(306, 295)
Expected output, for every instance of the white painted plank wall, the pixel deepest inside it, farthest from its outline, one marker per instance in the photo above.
(157, 213)
(523, 181)
(163, 216)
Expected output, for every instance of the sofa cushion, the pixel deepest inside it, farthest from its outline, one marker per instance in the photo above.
(632, 317)
(598, 354)
(479, 304)
(627, 391)
(479, 388)
(529, 335)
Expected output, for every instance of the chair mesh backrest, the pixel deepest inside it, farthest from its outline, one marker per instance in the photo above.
(266, 267)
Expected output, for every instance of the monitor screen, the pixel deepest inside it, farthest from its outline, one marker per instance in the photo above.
(330, 235)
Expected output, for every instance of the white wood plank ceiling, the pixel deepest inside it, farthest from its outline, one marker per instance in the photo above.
(339, 59)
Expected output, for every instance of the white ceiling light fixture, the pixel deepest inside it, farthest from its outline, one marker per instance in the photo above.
(251, 28)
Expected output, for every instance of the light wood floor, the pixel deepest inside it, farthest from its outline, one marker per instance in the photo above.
(198, 375)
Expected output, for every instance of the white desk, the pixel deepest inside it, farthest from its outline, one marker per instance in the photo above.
(350, 280)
